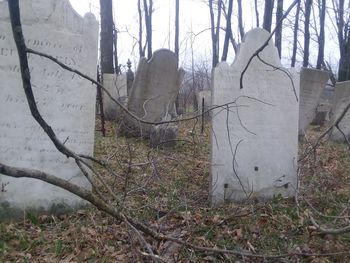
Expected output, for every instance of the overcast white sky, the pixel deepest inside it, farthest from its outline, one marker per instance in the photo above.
(194, 17)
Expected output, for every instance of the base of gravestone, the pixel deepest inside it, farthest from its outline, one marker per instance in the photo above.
(163, 135)
(320, 118)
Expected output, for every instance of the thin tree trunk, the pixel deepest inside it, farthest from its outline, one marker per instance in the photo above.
(212, 30)
(240, 19)
(256, 13)
(308, 5)
(228, 32)
(148, 22)
(139, 10)
(217, 32)
(278, 35)
(321, 37)
(295, 35)
(177, 28)
(268, 14)
(106, 42)
(115, 43)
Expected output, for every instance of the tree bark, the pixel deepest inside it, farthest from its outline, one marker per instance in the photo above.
(148, 9)
(321, 37)
(256, 13)
(177, 28)
(228, 32)
(278, 35)
(106, 42)
(240, 19)
(139, 10)
(295, 35)
(215, 30)
(268, 14)
(308, 5)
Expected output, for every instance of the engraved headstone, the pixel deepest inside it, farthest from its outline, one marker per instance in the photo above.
(155, 87)
(254, 140)
(116, 86)
(312, 83)
(65, 100)
(341, 100)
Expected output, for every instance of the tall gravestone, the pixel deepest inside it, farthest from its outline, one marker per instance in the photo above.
(117, 87)
(341, 100)
(154, 90)
(254, 140)
(312, 83)
(65, 100)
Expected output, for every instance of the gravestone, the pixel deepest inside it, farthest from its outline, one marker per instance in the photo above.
(65, 100)
(116, 85)
(254, 140)
(312, 84)
(341, 100)
(152, 96)
(322, 114)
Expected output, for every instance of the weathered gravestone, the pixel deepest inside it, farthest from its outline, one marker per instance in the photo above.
(312, 83)
(341, 100)
(254, 139)
(152, 96)
(66, 101)
(116, 86)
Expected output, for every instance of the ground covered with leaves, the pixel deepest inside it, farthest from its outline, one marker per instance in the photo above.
(168, 190)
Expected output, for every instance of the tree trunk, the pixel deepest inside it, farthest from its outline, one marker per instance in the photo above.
(278, 35)
(240, 19)
(268, 14)
(139, 10)
(256, 13)
(106, 42)
(295, 35)
(215, 31)
(321, 37)
(148, 9)
(228, 32)
(308, 5)
(177, 27)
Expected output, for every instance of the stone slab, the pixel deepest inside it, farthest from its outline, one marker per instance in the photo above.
(254, 140)
(117, 87)
(65, 100)
(341, 100)
(312, 84)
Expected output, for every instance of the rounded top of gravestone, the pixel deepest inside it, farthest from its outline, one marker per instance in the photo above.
(163, 52)
(252, 41)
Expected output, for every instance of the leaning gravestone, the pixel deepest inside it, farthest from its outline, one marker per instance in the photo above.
(66, 101)
(341, 100)
(254, 140)
(152, 96)
(312, 83)
(116, 86)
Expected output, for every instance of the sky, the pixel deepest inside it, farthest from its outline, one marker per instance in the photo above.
(194, 29)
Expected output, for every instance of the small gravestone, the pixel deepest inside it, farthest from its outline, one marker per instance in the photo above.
(341, 100)
(116, 86)
(254, 142)
(66, 101)
(312, 83)
(322, 114)
(152, 96)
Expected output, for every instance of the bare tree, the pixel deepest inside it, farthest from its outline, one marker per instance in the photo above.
(106, 42)
(321, 36)
(140, 41)
(268, 14)
(148, 9)
(240, 19)
(177, 27)
(295, 35)
(343, 27)
(228, 31)
(215, 30)
(256, 13)
(278, 35)
(308, 5)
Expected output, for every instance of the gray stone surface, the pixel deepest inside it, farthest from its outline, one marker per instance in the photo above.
(163, 135)
(312, 83)
(341, 100)
(66, 101)
(322, 114)
(254, 140)
(116, 85)
(155, 87)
